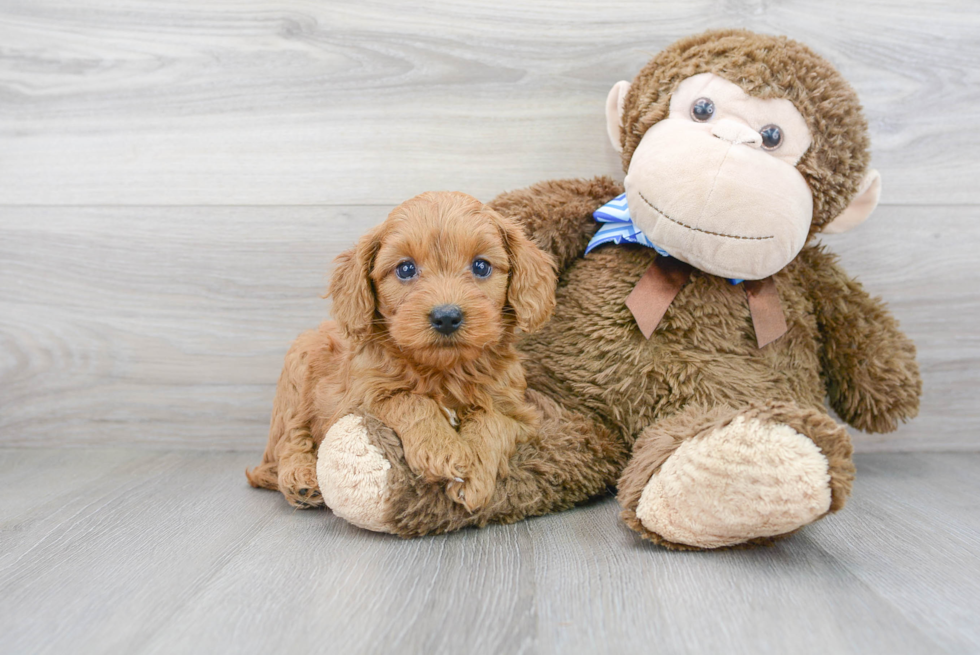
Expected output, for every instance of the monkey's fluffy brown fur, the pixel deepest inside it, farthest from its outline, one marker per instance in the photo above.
(457, 401)
(614, 405)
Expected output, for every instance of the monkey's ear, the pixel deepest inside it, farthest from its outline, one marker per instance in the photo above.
(350, 286)
(614, 113)
(865, 201)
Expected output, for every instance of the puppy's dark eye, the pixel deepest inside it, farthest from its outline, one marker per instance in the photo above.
(406, 270)
(772, 137)
(702, 110)
(482, 268)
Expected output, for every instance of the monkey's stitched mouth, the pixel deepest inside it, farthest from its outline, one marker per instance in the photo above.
(697, 229)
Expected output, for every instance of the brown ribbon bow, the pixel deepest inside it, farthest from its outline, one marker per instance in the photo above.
(665, 278)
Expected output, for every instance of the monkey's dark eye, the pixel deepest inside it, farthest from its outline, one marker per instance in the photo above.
(772, 137)
(702, 110)
(482, 268)
(406, 270)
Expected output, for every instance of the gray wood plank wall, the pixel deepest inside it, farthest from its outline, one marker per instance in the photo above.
(175, 178)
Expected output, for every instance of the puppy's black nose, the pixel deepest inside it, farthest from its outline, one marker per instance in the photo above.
(446, 319)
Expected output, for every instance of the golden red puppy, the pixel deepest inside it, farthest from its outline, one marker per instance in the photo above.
(426, 310)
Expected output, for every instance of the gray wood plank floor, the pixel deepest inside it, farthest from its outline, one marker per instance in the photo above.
(129, 551)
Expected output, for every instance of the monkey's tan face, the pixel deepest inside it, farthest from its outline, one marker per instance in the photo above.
(715, 183)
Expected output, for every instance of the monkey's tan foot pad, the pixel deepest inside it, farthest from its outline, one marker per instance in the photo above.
(353, 474)
(742, 481)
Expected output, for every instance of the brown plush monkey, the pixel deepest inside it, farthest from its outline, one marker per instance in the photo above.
(694, 345)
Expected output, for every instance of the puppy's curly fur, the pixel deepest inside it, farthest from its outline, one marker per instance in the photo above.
(456, 401)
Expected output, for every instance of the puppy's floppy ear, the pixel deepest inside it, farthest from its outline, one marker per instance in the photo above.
(531, 287)
(351, 288)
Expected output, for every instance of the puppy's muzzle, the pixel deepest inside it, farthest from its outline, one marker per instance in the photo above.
(446, 319)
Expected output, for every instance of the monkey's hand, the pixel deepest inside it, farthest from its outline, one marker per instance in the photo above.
(879, 387)
(872, 377)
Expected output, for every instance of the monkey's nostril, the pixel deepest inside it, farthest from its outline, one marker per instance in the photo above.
(446, 319)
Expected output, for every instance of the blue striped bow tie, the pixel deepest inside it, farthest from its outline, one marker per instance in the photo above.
(618, 227)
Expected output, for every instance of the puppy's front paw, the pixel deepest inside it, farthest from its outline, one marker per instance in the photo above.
(299, 486)
(474, 492)
(439, 462)
(467, 481)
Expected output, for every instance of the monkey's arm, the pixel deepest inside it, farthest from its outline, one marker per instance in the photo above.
(872, 377)
(557, 214)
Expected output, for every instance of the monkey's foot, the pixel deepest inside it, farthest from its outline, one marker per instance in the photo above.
(745, 480)
(353, 474)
